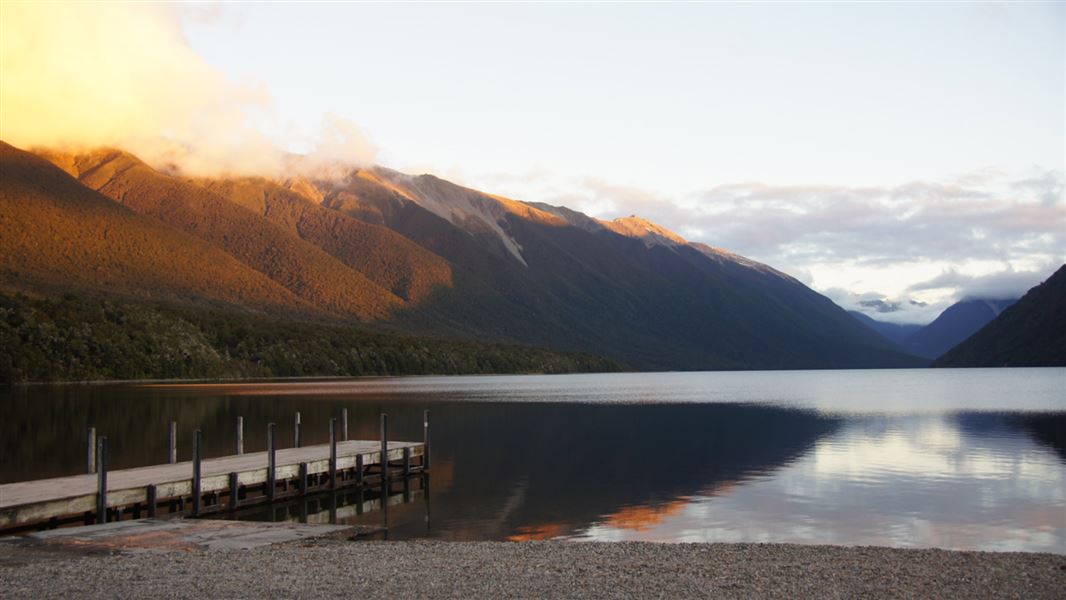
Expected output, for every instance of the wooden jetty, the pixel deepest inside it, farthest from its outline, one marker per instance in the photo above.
(203, 486)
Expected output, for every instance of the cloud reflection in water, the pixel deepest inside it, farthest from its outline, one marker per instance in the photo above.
(952, 481)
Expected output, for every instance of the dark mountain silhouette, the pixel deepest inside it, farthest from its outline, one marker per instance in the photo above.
(1030, 333)
(897, 332)
(423, 255)
(958, 322)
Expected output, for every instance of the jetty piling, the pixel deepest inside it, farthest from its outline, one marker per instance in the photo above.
(90, 464)
(234, 490)
(272, 468)
(197, 454)
(173, 442)
(302, 476)
(240, 436)
(384, 447)
(101, 480)
(425, 437)
(296, 431)
(333, 453)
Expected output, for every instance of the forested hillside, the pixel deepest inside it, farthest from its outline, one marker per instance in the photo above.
(76, 338)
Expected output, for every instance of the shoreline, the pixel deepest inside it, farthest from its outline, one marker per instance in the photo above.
(299, 378)
(334, 566)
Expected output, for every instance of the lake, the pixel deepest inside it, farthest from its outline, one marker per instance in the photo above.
(964, 459)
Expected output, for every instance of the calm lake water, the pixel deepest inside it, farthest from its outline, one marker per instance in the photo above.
(968, 459)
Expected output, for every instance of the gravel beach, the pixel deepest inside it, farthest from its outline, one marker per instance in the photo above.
(341, 568)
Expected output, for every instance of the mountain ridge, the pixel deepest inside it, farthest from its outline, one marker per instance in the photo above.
(300, 267)
(956, 323)
(59, 234)
(419, 254)
(1029, 333)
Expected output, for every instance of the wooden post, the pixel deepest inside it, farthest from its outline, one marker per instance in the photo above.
(197, 455)
(359, 469)
(344, 424)
(384, 446)
(234, 491)
(173, 442)
(272, 446)
(302, 486)
(240, 435)
(101, 479)
(406, 462)
(296, 432)
(332, 453)
(90, 463)
(425, 439)
(151, 501)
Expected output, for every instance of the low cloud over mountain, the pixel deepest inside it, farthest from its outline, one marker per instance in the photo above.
(985, 234)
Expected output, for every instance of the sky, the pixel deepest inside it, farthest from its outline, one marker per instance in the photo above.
(907, 153)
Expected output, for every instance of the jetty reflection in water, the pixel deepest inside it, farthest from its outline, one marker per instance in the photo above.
(408, 497)
(958, 458)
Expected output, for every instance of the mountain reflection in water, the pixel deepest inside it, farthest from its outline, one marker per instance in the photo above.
(813, 457)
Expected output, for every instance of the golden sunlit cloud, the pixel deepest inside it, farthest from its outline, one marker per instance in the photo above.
(85, 75)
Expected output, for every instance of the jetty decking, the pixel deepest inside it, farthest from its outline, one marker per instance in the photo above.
(208, 485)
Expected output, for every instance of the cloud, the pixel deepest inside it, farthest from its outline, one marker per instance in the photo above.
(1000, 285)
(880, 305)
(884, 308)
(340, 143)
(84, 75)
(1001, 221)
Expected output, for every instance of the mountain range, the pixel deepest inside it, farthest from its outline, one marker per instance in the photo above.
(381, 250)
(1030, 333)
(956, 323)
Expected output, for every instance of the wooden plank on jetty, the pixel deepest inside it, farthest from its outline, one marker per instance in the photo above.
(29, 503)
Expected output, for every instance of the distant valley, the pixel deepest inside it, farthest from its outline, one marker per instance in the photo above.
(956, 323)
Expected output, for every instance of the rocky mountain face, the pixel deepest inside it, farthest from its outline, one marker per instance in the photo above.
(416, 254)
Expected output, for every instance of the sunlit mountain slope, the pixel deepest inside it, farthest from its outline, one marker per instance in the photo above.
(57, 235)
(424, 255)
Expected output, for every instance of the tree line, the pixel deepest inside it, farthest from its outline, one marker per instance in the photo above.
(74, 338)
